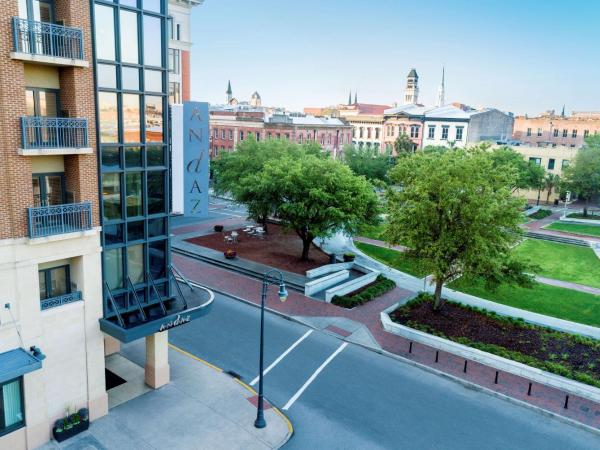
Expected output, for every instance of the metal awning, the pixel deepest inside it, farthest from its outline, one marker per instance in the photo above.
(17, 362)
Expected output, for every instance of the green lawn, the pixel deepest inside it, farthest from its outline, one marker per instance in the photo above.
(372, 231)
(393, 258)
(543, 299)
(562, 261)
(588, 230)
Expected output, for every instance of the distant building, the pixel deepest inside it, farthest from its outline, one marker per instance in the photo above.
(406, 119)
(411, 94)
(552, 130)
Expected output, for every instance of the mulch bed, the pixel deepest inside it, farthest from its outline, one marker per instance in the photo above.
(568, 355)
(278, 249)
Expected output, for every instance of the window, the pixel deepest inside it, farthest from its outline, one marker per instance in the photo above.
(216, 133)
(258, 135)
(459, 133)
(445, 132)
(223, 134)
(414, 131)
(54, 282)
(12, 415)
(241, 135)
(109, 127)
(231, 135)
(111, 196)
(369, 133)
(135, 263)
(431, 132)
(131, 117)
(564, 164)
(360, 132)
(130, 78)
(154, 118)
(586, 133)
(551, 163)
(539, 131)
(269, 135)
(574, 133)
(174, 93)
(133, 194)
(153, 80)
(152, 41)
(178, 33)
(565, 132)
(104, 17)
(174, 58)
(528, 131)
(376, 133)
(107, 76)
(113, 268)
(156, 192)
(129, 37)
(556, 132)
(536, 161)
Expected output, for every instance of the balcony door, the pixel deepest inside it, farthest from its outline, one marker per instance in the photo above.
(48, 189)
(42, 10)
(41, 103)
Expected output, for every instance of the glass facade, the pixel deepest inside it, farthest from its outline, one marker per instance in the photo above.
(131, 73)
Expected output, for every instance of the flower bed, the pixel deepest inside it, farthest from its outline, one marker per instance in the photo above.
(592, 215)
(564, 354)
(540, 214)
(365, 294)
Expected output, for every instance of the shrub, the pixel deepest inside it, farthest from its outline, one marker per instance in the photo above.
(541, 214)
(379, 287)
(218, 228)
(349, 257)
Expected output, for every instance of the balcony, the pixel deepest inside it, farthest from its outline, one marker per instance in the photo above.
(47, 43)
(54, 136)
(44, 221)
(60, 300)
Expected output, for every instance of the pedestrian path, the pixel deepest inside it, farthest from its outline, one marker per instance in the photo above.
(568, 285)
(537, 226)
(379, 243)
(201, 408)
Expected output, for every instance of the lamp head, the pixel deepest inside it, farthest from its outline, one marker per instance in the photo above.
(37, 353)
(283, 294)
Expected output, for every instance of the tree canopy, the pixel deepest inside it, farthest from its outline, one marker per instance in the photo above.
(525, 174)
(456, 213)
(368, 161)
(583, 175)
(403, 145)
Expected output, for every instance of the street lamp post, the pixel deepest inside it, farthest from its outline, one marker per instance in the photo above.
(271, 277)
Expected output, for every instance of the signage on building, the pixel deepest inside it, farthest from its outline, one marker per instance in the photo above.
(179, 320)
(195, 159)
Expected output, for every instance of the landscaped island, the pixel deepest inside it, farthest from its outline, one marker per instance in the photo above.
(564, 354)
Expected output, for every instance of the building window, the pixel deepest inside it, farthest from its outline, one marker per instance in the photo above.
(360, 133)
(369, 133)
(241, 135)
(12, 415)
(222, 134)
(258, 135)
(539, 132)
(536, 161)
(414, 131)
(551, 163)
(431, 132)
(376, 134)
(54, 282)
(556, 132)
(216, 133)
(174, 93)
(528, 131)
(174, 57)
(564, 164)
(565, 132)
(586, 133)
(574, 134)
(287, 136)
(459, 133)
(231, 135)
(445, 132)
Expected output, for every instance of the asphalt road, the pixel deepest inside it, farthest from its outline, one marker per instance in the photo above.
(341, 396)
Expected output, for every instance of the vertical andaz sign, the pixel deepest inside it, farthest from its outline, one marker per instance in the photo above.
(195, 159)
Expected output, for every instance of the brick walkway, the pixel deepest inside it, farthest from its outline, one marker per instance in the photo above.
(550, 399)
(537, 226)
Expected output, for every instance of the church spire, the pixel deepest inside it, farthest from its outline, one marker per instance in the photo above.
(229, 91)
(355, 97)
(562, 114)
(442, 90)
(350, 97)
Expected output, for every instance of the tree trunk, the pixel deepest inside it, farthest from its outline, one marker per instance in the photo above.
(305, 248)
(263, 222)
(437, 296)
(538, 199)
(548, 195)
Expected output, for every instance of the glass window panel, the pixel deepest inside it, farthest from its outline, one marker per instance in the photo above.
(129, 37)
(129, 3)
(111, 195)
(130, 78)
(105, 32)
(58, 282)
(11, 404)
(113, 234)
(135, 206)
(133, 157)
(48, 106)
(111, 157)
(131, 118)
(43, 291)
(154, 118)
(135, 230)
(109, 126)
(30, 102)
(152, 5)
(157, 259)
(156, 192)
(135, 263)
(152, 41)
(107, 76)
(156, 227)
(153, 80)
(155, 155)
(113, 268)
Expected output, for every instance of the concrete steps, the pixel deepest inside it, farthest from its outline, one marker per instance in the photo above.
(553, 238)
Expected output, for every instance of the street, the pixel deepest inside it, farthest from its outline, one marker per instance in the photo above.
(341, 396)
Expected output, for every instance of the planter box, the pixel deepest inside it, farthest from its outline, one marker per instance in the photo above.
(66, 434)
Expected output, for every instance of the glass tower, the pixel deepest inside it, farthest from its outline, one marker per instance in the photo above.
(130, 62)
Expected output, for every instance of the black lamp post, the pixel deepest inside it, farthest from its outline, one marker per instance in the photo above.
(271, 277)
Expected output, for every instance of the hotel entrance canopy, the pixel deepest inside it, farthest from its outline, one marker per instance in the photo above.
(17, 362)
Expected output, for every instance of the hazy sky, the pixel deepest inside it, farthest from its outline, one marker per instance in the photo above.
(524, 56)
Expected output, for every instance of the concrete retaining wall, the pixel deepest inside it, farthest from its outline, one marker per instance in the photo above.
(329, 268)
(320, 284)
(497, 362)
(350, 286)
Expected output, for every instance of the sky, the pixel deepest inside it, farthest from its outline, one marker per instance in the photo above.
(523, 56)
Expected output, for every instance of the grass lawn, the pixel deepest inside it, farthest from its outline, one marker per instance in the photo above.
(588, 230)
(543, 299)
(562, 261)
(398, 260)
(372, 231)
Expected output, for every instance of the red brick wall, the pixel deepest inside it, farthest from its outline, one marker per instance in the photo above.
(185, 76)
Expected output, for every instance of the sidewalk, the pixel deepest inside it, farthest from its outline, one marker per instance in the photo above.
(537, 226)
(201, 408)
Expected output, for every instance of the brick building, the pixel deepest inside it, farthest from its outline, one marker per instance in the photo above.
(551, 130)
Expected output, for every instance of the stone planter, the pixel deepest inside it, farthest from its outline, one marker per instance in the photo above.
(63, 435)
(230, 254)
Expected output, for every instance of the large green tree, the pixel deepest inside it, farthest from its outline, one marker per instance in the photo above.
(524, 174)
(403, 145)
(370, 162)
(583, 175)
(317, 197)
(456, 213)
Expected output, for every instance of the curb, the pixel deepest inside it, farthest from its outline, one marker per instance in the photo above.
(467, 384)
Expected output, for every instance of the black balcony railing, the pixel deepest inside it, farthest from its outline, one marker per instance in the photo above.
(47, 39)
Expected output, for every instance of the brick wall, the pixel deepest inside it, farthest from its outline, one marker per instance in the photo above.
(185, 76)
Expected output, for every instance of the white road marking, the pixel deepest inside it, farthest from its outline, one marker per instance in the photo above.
(283, 355)
(291, 401)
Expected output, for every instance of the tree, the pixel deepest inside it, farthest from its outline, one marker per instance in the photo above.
(583, 176)
(403, 145)
(317, 197)
(526, 174)
(370, 162)
(235, 173)
(456, 213)
(551, 182)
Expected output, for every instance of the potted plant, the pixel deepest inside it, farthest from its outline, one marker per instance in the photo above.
(218, 228)
(230, 254)
(71, 425)
(349, 257)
